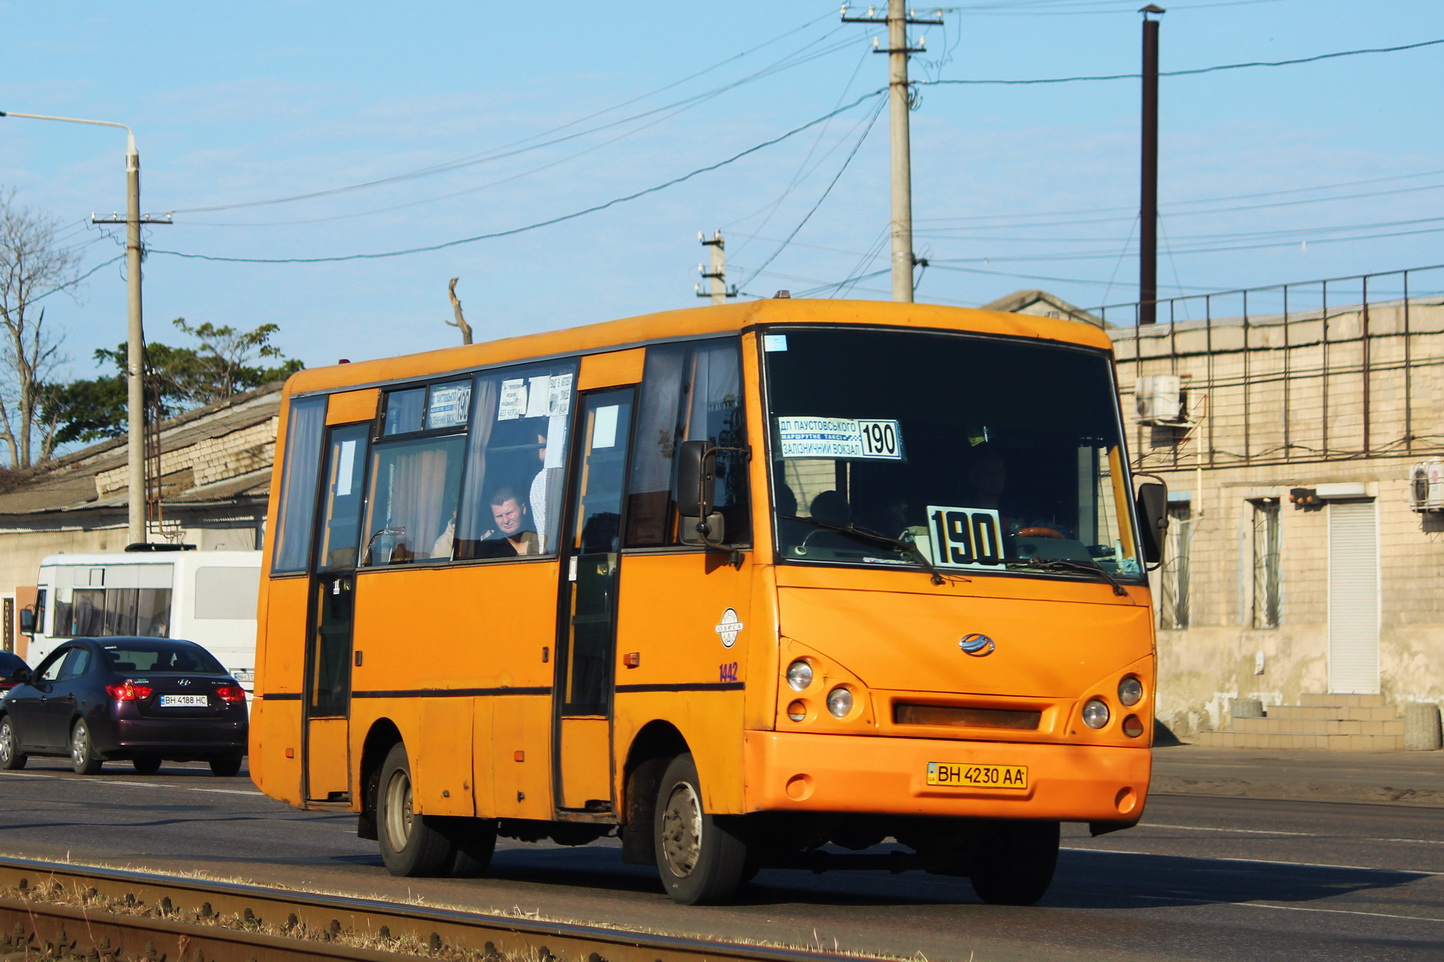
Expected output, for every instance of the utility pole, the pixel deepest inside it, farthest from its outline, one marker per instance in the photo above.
(135, 341)
(1148, 187)
(719, 291)
(899, 97)
(138, 495)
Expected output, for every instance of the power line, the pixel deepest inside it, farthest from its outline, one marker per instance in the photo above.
(516, 147)
(539, 224)
(1301, 241)
(866, 129)
(1186, 73)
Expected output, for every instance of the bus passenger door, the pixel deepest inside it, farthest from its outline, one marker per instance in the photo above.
(333, 604)
(586, 641)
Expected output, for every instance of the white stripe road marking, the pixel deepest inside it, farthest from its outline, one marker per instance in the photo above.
(1424, 872)
(1266, 831)
(120, 781)
(1291, 908)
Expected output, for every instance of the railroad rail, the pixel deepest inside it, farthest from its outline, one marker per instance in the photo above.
(55, 910)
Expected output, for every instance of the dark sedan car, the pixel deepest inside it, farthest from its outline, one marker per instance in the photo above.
(147, 700)
(10, 663)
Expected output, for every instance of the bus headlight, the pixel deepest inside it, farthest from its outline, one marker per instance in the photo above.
(1130, 691)
(839, 702)
(1095, 713)
(799, 675)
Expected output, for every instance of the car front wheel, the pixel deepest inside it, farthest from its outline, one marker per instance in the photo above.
(82, 750)
(11, 757)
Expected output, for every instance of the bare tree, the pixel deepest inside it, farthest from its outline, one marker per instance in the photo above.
(460, 321)
(32, 264)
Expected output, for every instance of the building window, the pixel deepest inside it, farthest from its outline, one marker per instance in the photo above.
(1173, 583)
(1266, 604)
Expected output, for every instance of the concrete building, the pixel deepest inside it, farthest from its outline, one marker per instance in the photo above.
(1304, 454)
(215, 475)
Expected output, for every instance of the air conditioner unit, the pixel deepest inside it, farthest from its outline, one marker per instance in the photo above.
(1159, 399)
(1426, 485)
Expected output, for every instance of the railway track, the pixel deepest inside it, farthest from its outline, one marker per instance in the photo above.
(54, 910)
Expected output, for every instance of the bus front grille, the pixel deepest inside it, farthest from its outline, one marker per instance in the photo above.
(960, 716)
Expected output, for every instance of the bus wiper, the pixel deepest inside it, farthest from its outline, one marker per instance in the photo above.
(1066, 564)
(863, 534)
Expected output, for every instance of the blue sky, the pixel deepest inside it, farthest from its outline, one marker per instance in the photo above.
(423, 124)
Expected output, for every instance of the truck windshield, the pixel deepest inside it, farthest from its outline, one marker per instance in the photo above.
(960, 453)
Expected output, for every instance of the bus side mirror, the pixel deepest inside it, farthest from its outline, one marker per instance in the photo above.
(696, 473)
(27, 621)
(696, 480)
(1152, 507)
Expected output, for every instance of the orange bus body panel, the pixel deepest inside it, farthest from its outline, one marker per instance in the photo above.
(429, 632)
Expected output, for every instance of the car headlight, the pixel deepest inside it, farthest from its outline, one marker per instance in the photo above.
(799, 675)
(839, 702)
(1130, 691)
(1095, 713)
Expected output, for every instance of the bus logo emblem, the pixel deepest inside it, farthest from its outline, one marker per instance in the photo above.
(729, 627)
(977, 645)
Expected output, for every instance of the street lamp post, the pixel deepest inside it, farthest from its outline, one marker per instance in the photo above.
(134, 352)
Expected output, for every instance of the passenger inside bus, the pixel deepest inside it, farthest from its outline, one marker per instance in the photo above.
(512, 535)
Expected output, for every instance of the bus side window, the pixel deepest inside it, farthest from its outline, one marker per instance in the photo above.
(690, 392)
(414, 487)
(516, 451)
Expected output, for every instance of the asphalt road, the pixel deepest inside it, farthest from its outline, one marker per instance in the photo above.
(1207, 878)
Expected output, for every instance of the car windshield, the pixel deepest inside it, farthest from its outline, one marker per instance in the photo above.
(142, 656)
(952, 452)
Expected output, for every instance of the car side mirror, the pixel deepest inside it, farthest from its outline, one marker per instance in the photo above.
(21, 676)
(27, 621)
(1152, 507)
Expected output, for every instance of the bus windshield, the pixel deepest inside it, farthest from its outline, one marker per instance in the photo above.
(960, 453)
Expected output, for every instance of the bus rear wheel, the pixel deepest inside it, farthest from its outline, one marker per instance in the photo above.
(1015, 862)
(701, 861)
(410, 845)
(474, 841)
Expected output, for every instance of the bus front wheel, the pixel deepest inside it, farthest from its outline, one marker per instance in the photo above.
(1015, 862)
(699, 858)
(410, 846)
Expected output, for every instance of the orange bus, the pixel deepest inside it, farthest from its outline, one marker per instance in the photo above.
(749, 586)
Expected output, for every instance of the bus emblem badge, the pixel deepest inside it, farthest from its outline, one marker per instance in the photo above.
(728, 627)
(977, 645)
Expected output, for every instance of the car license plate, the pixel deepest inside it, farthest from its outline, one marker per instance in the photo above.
(184, 701)
(978, 776)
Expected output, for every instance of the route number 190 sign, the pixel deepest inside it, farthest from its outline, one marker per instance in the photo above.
(965, 537)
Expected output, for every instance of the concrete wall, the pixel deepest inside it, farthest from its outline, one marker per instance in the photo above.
(1275, 404)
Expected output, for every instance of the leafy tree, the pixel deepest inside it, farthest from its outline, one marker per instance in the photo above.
(32, 265)
(178, 379)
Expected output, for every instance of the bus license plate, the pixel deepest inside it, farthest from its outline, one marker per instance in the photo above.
(184, 701)
(978, 776)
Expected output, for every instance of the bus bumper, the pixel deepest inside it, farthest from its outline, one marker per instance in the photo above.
(830, 773)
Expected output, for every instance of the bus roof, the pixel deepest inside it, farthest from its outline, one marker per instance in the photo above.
(692, 322)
